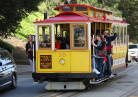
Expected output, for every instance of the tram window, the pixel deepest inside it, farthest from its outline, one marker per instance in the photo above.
(92, 14)
(114, 28)
(78, 36)
(97, 13)
(117, 31)
(45, 37)
(81, 8)
(70, 9)
(85, 13)
(121, 35)
(125, 37)
(101, 14)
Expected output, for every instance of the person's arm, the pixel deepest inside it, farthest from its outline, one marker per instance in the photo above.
(114, 36)
(101, 47)
(94, 43)
(109, 48)
(58, 46)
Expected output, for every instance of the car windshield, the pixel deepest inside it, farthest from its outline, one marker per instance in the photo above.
(132, 46)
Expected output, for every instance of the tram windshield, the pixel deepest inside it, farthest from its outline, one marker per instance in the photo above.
(45, 37)
(79, 36)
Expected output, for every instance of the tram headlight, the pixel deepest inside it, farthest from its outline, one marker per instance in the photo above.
(62, 61)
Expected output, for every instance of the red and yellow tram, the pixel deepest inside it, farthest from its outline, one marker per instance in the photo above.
(70, 68)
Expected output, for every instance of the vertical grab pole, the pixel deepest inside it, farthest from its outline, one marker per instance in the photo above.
(33, 56)
(93, 56)
(94, 69)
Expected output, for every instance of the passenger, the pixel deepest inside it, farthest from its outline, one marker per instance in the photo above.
(105, 60)
(29, 50)
(46, 41)
(99, 44)
(109, 39)
(80, 42)
(62, 43)
(57, 45)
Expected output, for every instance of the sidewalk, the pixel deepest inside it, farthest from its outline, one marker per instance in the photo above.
(23, 69)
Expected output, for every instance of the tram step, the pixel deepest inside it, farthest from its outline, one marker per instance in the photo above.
(93, 82)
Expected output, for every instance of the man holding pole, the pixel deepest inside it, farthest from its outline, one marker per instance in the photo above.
(109, 39)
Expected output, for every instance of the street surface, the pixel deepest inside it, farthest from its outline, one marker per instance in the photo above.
(125, 84)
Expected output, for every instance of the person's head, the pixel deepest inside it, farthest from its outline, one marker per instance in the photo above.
(80, 40)
(99, 37)
(105, 33)
(60, 40)
(30, 38)
(45, 36)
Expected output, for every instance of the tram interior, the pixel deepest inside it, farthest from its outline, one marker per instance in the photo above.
(63, 31)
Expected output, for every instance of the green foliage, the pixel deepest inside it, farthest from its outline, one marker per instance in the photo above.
(130, 11)
(12, 12)
(48, 6)
(122, 7)
(27, 26)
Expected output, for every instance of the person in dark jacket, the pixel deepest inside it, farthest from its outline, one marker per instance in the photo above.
(100, 45)
(109, 39)
(29, 50)
(62, 43)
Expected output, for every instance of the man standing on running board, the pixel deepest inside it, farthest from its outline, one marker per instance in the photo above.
(109, 39)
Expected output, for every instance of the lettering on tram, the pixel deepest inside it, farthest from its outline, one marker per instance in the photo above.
(68, 46)
(45, 62)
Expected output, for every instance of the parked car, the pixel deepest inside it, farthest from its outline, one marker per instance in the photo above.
(8, 70)
(133, 51)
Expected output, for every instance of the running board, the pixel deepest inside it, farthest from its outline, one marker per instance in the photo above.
(93, 82)
(65, 86)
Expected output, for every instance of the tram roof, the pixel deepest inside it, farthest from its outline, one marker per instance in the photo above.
(69, 16)
(80, 5)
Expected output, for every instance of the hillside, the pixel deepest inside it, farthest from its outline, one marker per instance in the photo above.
(19, 53)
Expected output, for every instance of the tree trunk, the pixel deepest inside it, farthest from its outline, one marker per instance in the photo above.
(104, 3)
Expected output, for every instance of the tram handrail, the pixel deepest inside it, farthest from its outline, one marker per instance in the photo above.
(94, 69)
(33, 56)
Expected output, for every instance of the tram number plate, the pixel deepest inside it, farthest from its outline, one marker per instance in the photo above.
(45, 62)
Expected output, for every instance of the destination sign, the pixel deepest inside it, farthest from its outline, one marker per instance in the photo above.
(45, 62)
(111, 17)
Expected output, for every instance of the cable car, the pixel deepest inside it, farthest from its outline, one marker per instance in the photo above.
(70, 68)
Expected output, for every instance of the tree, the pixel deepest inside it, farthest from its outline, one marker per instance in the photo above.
(104, 3)
(130, 11)
(12, 12)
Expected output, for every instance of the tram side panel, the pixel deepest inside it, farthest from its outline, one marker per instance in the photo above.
(119, 59)
(69, 63)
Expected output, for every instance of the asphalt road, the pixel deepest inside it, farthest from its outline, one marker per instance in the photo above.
(125, 84)
(25, 88)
